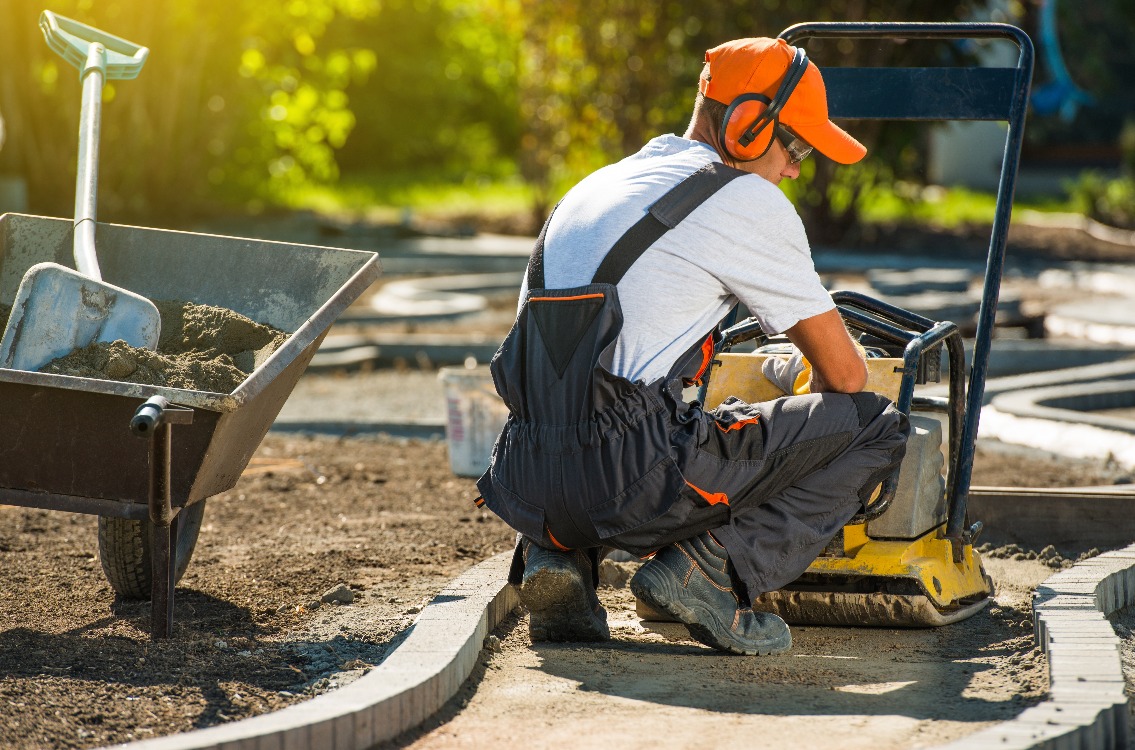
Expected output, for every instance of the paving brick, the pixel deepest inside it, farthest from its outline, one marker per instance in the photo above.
(274, 741)
(1083, 659)
(322, 733)
(364, 725)
(1105, 694)
(1064, 670)
(245, 744)
(413, 711)
(1058, 601)
(1088, 646)
(1118, 554)
(386, 719)
(1059, 735)
(1067, 621)
(298, 738)
(1052, 630)
(344, 732)
(1112, 721)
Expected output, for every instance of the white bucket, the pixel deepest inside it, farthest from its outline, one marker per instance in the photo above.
(474, 418)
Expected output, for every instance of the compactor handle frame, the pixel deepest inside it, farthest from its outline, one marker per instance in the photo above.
(938, 94)
(947, 93)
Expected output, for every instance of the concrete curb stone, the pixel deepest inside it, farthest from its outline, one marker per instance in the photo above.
(1087, 704)
(409, 686)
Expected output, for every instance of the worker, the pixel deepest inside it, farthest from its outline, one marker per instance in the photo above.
(625, 292)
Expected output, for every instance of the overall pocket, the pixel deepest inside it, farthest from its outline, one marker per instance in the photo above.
(517, 512)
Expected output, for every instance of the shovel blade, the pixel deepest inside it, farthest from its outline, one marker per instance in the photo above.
(58, 310)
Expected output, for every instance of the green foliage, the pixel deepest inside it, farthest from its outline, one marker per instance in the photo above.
(237, 101)
(1111, 201)
(444, 95)
(429, 193)
(250, 103)
(601, 77)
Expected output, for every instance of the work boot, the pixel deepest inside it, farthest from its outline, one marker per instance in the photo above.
(690, 581)
(559, 591)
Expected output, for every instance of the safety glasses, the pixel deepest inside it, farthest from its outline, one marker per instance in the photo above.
(798, 149)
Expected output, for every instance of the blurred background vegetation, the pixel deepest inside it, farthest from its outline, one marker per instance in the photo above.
(488, 107)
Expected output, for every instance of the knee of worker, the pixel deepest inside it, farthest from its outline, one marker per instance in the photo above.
(879, 419)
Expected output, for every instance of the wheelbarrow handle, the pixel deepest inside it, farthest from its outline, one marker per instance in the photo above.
(155, 412)
(72, 41)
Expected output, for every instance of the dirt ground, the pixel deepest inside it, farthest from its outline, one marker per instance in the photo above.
(388, 519)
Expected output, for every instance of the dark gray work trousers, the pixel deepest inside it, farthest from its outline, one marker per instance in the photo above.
(795, 471)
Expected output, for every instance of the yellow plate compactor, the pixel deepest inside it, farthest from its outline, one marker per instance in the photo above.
(909, 559)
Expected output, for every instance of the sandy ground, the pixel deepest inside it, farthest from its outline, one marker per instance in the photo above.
(837, 687)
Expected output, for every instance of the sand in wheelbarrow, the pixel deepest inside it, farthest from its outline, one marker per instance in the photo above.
(202, 348)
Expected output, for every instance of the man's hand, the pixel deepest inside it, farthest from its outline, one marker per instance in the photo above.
(837, 363)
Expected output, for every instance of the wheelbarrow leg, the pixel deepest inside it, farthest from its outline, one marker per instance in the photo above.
(163, 542)
(161, 536)
(154, 420)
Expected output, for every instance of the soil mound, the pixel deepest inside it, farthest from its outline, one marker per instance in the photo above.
(202, 348)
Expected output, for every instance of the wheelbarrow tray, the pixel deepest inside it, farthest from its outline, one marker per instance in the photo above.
(66, 441)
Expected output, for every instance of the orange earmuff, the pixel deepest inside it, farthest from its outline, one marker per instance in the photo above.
(746, 131)
(750, 121)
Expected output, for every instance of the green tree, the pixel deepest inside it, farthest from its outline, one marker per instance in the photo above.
(444, 98)
(236, 100)
(598, 78)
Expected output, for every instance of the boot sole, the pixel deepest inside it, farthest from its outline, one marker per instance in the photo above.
(559, 607)
(660, 589)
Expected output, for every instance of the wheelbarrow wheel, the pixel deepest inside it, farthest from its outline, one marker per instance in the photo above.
(124, 550)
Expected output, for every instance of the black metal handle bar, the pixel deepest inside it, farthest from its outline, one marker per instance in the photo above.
(747, 330)
(911, 320)
(905, 30)
(883, 320)
(1014, 102)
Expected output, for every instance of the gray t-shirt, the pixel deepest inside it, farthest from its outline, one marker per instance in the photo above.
(745, 243)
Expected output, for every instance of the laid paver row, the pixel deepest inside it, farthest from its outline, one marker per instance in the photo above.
(1087, 706)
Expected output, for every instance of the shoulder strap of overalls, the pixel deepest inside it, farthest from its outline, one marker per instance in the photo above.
(662, 216)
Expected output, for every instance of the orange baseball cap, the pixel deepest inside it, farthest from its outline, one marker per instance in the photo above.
(757, 66)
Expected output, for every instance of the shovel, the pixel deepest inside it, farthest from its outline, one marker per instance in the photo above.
(57, 309)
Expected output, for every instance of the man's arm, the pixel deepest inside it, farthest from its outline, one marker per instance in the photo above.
(837, 364)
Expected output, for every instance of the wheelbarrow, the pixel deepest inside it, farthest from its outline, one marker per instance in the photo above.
(69, 444)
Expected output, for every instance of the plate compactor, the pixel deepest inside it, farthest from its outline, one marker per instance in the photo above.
(908, 560)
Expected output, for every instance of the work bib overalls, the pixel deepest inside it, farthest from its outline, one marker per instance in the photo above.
(588, 458)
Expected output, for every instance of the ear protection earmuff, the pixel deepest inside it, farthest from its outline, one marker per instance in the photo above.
(747, 128)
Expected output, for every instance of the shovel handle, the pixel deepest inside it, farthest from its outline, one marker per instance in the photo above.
(98, 56)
